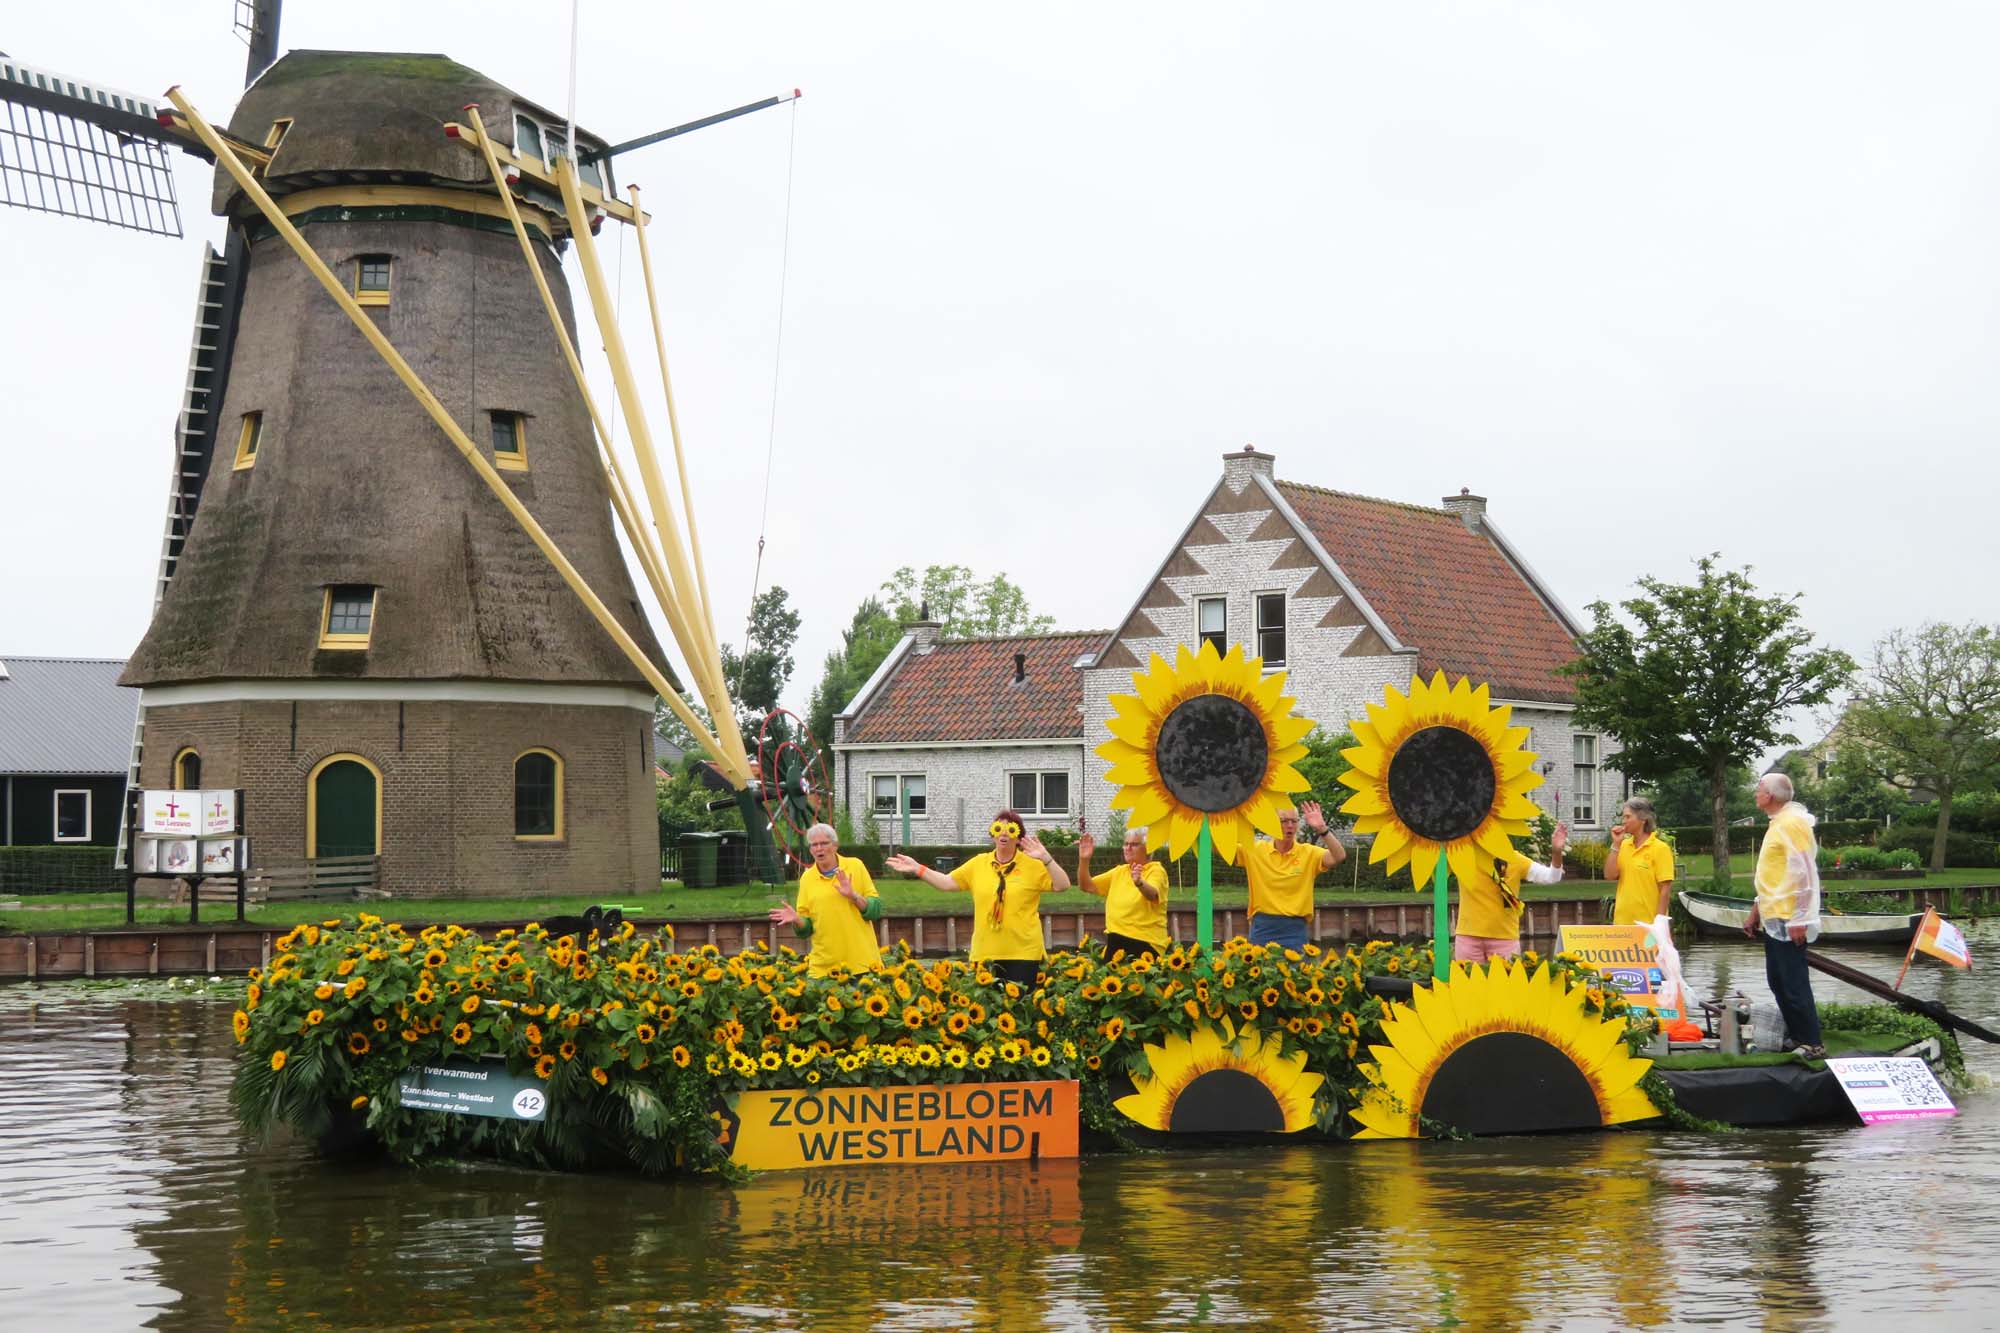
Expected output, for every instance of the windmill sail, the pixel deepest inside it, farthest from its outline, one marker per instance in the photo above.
(79, 149)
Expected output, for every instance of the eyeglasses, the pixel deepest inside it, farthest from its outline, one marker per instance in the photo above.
(1005, 828)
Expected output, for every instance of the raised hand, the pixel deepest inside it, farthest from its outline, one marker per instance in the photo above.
(903, 865)
(1560, 841)
(1032, 845)
(785, 914)
(845, 883)
(1314, 818)
(1085, 845)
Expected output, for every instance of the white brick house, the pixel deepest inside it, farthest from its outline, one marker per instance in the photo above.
(1345, 592)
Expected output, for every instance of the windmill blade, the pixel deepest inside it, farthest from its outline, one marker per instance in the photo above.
(79, 149)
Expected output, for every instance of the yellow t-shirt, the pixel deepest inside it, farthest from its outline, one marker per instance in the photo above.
(1281, 884)
(1483, 908)
(840, 936)
(1777, 883)
(1017, 935)
(1641, 872)
(1126, 911)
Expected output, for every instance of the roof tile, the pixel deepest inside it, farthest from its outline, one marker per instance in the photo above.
(964, 690)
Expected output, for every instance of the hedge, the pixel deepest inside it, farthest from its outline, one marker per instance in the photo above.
(59, 869)
(1699, 839)
(1960, 849)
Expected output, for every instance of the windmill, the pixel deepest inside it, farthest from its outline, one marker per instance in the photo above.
(440, 667)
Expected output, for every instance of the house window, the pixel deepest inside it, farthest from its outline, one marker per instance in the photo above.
(349, 616)
(510, 441)
(1270, 628)
(528, 138)
(187, 770)
(1211, 623)
(371, 280)
(248, 437)
(1039, 793)
(538, 793)
(884, 789)
(1583, 801)
(72, 816)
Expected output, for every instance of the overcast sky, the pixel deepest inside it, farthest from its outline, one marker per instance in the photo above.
(1657, 280)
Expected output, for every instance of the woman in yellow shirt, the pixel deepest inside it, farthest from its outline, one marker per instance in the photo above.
(1134, 893)
(837, 908)
(1643, 865)
(1006, 885)
(1489, 902)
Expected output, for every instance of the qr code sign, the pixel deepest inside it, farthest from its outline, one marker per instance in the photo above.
(1915, 1084)
(1891, 1089)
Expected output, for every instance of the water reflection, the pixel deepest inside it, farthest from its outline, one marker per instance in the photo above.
(128, 1200)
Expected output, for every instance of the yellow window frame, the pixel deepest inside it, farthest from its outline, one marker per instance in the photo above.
(329, 639)
(181, 756)
(372, 295)
(312, 798)
(249, 438)
(515, 773)
(515, 459)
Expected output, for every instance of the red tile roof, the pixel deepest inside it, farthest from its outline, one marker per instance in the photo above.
(1445, 590)
(964, 690)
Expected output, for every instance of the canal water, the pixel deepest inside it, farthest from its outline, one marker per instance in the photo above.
(128, 1201)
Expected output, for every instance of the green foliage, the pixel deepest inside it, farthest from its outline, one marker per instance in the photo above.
(868, 639)
(961, 604)
(1960, 849)
(757, 674)
(1850, 790)
(666, 723)
(1706, 680)
(1323, 766)
(1684, 798)
(1908, 1027)
(683, 803)
(1057, 836)
(31, 870)
(1927, 715)
(1974, 812)
(1586, 858)
(1867, 858)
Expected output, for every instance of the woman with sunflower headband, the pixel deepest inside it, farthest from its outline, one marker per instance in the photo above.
(837, 908)
(1006, 885)
(1135, 897)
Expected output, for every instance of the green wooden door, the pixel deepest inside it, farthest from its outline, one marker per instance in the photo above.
(344, 797)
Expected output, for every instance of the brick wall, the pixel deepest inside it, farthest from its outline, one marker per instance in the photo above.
(447, 787)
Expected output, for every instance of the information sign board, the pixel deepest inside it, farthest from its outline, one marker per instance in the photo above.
(473, 1088)
(1884, 1089)
(957, 1122)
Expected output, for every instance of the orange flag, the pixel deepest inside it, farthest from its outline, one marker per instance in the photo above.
(1940, 939)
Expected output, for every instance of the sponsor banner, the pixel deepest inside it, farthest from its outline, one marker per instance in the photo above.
(1883, 1089)
(467, 1088)
(218, 813)
(170, 813)
(1628, 957)
(777, 1130)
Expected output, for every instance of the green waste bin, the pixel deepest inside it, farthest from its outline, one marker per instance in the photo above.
(698, 858)
(732, 860)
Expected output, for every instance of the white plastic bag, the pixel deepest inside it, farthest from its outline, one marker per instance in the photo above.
(1673, 990)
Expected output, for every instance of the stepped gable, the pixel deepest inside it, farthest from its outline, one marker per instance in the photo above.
(964, 690)
(1444, 589)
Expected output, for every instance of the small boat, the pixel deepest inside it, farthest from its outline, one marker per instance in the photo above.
(1716, 915)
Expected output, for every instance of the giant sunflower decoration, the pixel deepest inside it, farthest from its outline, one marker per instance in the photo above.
(1439, 774)
(1209, 738)
(1229, 1081)
(1500, 1050)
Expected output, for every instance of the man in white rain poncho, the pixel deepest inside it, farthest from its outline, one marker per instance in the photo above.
(1787, 907)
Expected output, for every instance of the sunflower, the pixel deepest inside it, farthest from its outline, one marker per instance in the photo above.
(682, 1056)
(600, 1077)
(1440, 773)
(240, 1021)
(1566, 1068)
(277, 1060)
(545, 1066)
(462, 1033)
(1207, 737)
(877, 1006)
(357, 1043)
(1223, 1080)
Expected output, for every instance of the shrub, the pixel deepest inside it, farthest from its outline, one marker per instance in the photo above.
(1960, 849)
(32, 870)
(1588, 856)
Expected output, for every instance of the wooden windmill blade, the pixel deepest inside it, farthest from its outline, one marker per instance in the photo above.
(79, 149)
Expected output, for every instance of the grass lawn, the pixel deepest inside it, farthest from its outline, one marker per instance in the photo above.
(901, 897)
(1837, 1043)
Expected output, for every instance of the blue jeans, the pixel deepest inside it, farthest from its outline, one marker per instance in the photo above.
(1286, 931)
(1791, 985)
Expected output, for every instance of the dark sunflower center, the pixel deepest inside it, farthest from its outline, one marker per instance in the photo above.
(1212, 752)
(1511, 1083)
(1441, 783)
(1226, 1101)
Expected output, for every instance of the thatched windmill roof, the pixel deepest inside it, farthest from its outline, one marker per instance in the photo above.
(375, 117)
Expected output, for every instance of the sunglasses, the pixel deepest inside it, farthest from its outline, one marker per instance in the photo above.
(1005, 828)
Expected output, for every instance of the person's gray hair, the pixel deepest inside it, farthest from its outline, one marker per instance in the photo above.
(1643, 808)
(1778, 784)
(1132, 833)
(827, 829)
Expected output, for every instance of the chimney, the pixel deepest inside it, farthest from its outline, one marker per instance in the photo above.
(1470, 508)
(924, 632)
(1248, 462)
(1020, 668)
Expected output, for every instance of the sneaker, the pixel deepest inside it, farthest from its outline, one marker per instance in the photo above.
(1809, 1052)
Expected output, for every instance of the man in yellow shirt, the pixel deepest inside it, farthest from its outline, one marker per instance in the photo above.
(1787, 908)
(1489, 902)
(1134, 893)
(1281, 873)
(837, 908)
(1006, 885)
(1643, 865)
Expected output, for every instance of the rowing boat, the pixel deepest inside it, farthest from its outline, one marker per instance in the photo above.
(1716, 915)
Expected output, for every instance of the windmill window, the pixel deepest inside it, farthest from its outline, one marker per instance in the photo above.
(538, 793)
(371, 280)
(348, 617)
(187, 769)
(248, 438)
(510, 440)
(528, 138)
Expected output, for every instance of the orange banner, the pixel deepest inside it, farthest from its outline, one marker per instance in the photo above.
(779, 1130)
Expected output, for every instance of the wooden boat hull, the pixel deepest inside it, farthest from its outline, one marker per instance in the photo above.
(1716, 915)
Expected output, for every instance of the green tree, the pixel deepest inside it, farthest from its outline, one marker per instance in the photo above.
(683, 801)
(1851, 790)
(1927, 715)
(1705, 682)
(666, 723)
(961, 604)
(1323, 766)
(757, 673)
(866, 641)
(1683, 797)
